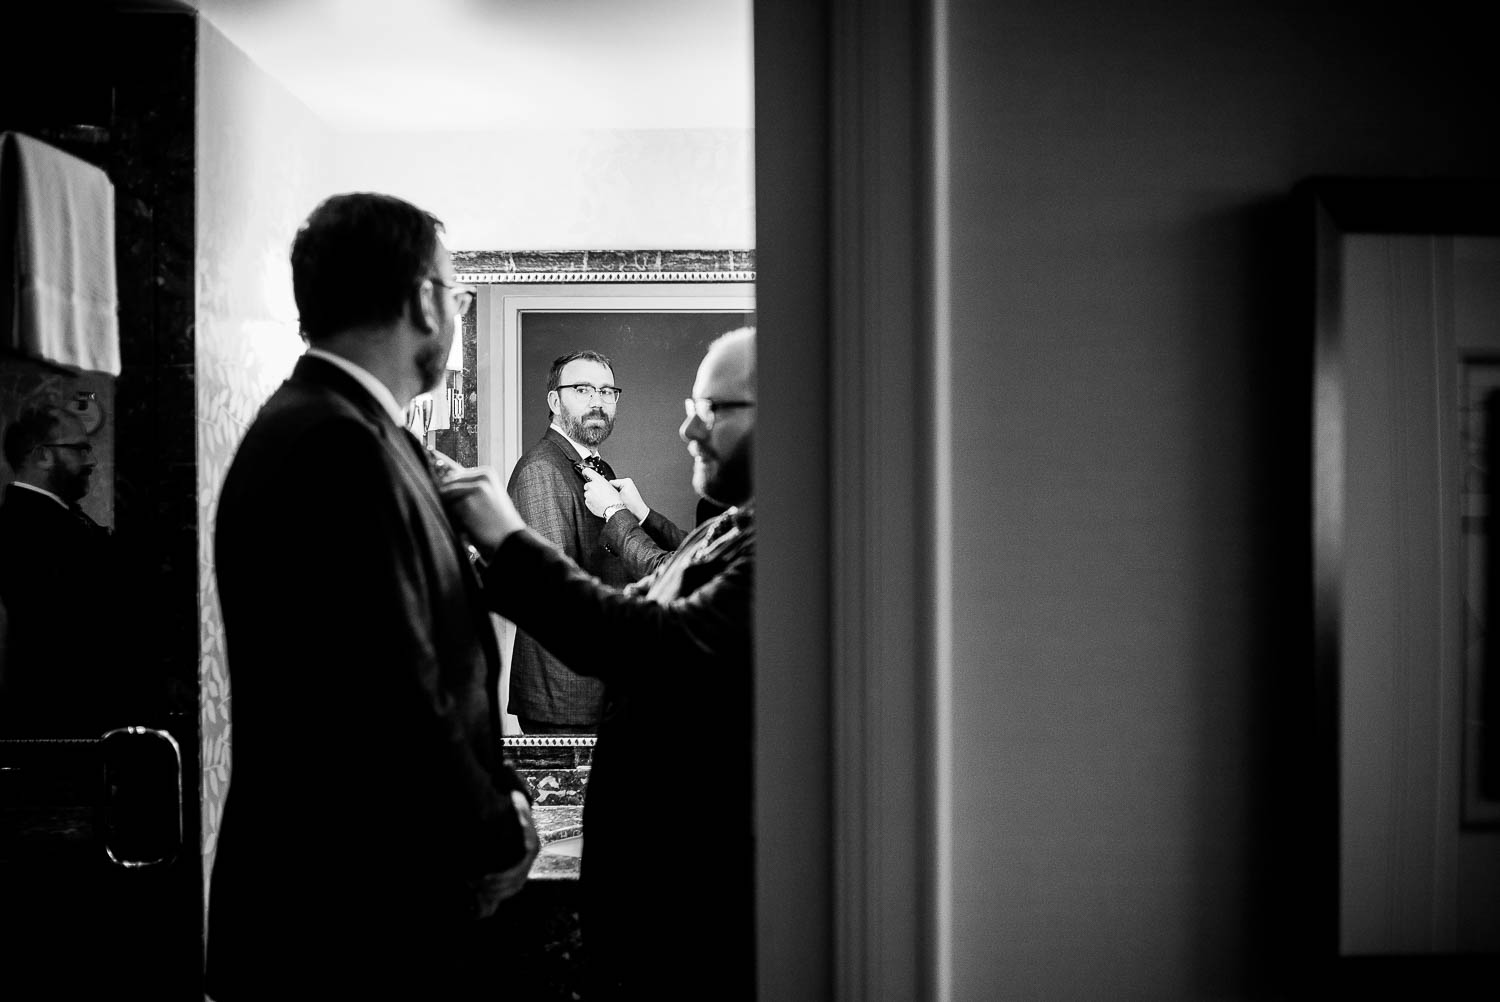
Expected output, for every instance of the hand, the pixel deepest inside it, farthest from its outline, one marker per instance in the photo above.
(477, 503)
(630, 497)
(598, 494)
(445, 465)
(493, 888)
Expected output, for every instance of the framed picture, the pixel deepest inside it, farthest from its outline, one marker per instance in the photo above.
(1404, 283)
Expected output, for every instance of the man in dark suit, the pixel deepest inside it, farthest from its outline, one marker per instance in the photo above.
(371, 820)
(547, 696)
(58, 677)
(664, 917)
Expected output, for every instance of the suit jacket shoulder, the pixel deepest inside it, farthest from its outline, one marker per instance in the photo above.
(548, 493)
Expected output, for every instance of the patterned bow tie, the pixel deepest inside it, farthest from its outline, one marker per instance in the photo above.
(599, 466)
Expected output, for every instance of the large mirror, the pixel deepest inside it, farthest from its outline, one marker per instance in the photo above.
(652, 313)
(1407, 369)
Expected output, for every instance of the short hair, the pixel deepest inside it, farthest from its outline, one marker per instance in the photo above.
(554, 378)
(357, 259)
(30, 428)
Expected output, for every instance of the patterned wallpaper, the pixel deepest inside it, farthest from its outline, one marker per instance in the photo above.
(259, 174)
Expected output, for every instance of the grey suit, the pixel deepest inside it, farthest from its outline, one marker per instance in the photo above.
(548, 491)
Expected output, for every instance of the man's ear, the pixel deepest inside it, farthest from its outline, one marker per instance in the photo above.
(554, 402)
(424, 313)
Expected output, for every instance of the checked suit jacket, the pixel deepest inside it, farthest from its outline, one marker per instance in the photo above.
(548, 491)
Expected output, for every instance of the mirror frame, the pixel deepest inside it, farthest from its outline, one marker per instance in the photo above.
(1333, 208)
(512, 281)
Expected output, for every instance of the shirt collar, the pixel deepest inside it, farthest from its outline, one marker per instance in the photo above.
(584, 452)
(373, 386)
(40, 490)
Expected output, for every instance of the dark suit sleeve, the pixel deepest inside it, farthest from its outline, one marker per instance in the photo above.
(587, 623)
(641, 546)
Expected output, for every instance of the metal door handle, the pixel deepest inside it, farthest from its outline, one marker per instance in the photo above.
(142, 805)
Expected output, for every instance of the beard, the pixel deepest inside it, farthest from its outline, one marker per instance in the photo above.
(76, 487)
(432, 367)
(585, 434)
(724, 480)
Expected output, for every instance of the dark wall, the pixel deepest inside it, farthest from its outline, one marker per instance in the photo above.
(655, 358)
(117, 89)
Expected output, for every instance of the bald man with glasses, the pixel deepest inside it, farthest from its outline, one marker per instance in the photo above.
(55, 672)
(661, 918)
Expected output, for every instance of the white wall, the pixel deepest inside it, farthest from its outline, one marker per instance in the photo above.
(682, 189)
(260, 168)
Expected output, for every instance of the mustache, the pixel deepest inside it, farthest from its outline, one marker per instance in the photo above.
(597, 412)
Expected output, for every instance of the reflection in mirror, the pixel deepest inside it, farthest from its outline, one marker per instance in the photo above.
(646, 317)
(1407, 363)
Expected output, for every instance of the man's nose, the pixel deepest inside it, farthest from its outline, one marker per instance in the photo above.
(691, 428)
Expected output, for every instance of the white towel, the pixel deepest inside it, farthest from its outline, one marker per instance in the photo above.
(59, 257)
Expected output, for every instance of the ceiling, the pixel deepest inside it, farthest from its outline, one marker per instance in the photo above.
(482, 65)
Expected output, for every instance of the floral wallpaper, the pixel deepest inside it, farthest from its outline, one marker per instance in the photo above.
(260, 156)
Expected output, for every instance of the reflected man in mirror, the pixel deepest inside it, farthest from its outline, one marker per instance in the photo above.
(371, 821)
(547, 485)
(660, 920)
(58, 668)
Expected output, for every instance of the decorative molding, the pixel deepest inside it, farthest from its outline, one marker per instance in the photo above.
(547, 741)
(580, 277)
(558, 267)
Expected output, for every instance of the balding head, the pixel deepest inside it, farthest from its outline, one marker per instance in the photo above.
(720, 422)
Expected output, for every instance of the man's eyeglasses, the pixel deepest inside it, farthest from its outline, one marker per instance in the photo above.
(464, 293)
(83, 448)
(607, 394)
(706, 409)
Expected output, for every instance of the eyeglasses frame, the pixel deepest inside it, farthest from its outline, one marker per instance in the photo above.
(86, 448)
(691, 406)
(594, 392)
(467, 293)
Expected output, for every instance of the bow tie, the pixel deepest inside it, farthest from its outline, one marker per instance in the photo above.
(599, 466)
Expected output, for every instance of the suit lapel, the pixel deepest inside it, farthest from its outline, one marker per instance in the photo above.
(411, 459)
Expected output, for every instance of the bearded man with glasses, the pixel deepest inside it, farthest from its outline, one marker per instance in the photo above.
(549, 487)
(372, 827)
(58, 678)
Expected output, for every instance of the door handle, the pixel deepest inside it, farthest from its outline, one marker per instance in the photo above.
(142, 804)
